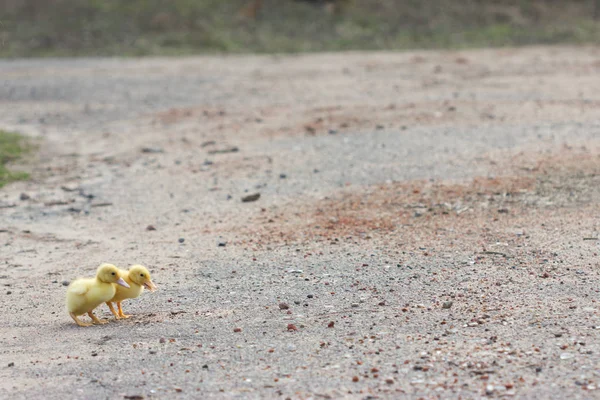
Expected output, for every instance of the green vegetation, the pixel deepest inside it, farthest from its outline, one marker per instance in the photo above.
(12, 147)
(172, 27)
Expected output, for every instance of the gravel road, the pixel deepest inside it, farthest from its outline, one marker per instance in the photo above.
(427, 227)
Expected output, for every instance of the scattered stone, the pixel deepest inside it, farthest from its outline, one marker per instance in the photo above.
(24, 196)
(181, 240)
(237, 330)
(12, 364)
(221, 243)
(332, 132)
(447, 304)
(355, 379)
(292, 327)
(134, 397)
(65, 283)
(150, 228)
(310, 296)
(70, 188)
(58, 203)
(566, 356)
(295, 271)
(162, 340)
(153, 150)
(105, 204)
(283, 306)
(389, 381)
(251, 198)
(355, 305)
(282, 176)
(208, 143)
(9, 292)
(232, 149)
(331, 324)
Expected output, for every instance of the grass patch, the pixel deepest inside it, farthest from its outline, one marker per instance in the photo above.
(177, 27)
(12, 147)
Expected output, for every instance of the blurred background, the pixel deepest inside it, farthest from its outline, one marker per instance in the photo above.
(174, 27)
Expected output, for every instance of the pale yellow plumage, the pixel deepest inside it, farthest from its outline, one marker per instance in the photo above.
(137, 277)
(84, 295)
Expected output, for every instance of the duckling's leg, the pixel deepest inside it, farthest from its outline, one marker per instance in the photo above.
(121, 311)
(112, 310)
(78, 321)
(96, 320)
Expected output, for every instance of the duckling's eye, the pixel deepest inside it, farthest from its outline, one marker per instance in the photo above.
(142, 275)
(113, 273)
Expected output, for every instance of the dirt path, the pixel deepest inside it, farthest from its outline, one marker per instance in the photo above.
(427, 225)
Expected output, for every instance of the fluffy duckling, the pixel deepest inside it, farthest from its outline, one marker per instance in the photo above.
(83, 295)
(138, 278)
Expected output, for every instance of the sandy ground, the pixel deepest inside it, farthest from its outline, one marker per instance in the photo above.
(427, 225)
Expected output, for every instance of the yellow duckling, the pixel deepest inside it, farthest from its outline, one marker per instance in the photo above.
(83, 295)
(138, 278)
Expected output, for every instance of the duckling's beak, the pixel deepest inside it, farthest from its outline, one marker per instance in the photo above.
(122, 283)
(150, 286)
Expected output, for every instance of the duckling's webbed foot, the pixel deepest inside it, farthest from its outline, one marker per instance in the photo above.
(96, 320)
(78, 321)
(112, 310)
(121, 311)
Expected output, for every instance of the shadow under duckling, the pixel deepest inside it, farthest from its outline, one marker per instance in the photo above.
(138, 278)
(84, 295)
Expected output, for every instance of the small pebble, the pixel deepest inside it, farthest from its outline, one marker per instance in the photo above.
(237, 330)
(283, 306)
(152, 150)
(447, 304)
(251, 198)
(181, 240)
(24, 196)
(65, 283)
(12, 364)
(331, 324)
(162, 340)
(150, 228)
(310, 296)
(222, 244)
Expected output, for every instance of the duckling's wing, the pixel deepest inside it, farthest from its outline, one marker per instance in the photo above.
(79, 287)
